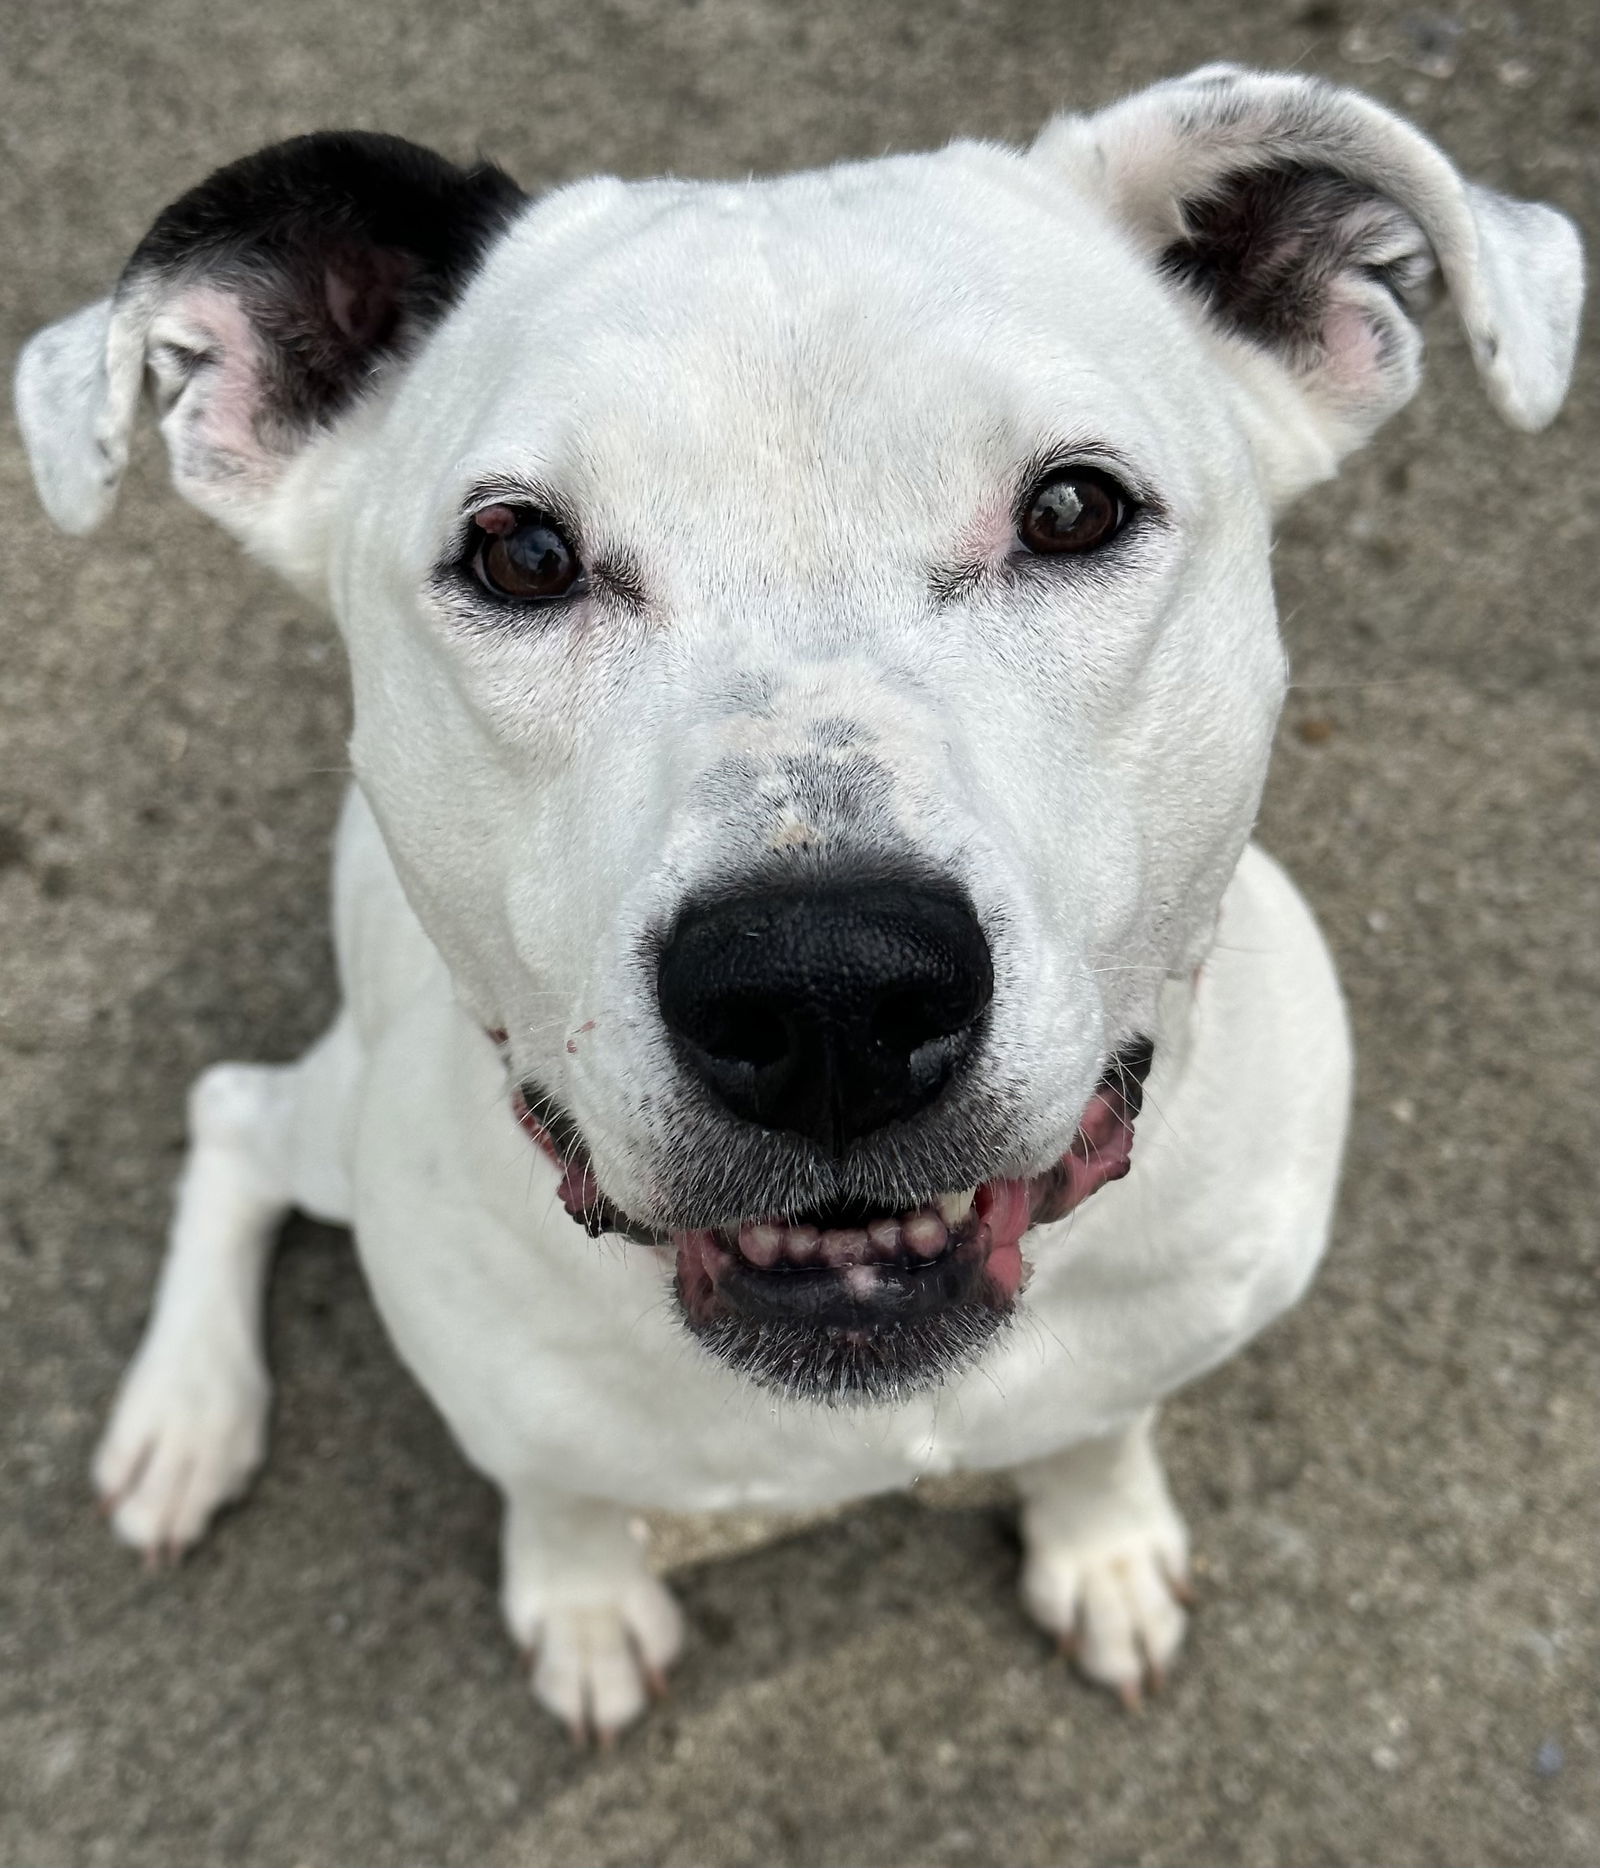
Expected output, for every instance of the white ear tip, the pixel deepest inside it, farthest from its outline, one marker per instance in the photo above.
(1532, 262)
(63, 399)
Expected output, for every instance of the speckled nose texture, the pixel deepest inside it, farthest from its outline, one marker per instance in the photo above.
(829, 1013)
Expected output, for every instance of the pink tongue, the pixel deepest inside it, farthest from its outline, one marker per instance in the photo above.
(1005, 1211)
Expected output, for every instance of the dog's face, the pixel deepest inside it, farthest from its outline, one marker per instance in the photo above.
(901, 564)
(813, 645)
(789, 443)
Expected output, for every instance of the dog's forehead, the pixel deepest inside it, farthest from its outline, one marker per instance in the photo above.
(957, 230)
(945, 307)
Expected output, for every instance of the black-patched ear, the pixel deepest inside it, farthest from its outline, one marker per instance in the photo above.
(261, 306)
(1312, 227)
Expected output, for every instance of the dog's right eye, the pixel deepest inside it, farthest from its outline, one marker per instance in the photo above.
(1073, 510)
(523, 555)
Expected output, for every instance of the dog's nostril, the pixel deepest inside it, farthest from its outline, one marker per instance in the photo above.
(827, 1013)
(745, 1031)
(905, 1021)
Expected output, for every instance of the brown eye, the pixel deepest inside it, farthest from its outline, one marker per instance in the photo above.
(1074, 510)
(523, 554)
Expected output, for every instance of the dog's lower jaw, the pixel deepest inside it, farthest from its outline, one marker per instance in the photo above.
(861, 1332)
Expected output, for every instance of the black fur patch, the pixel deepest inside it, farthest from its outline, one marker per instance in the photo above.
(340, 247)
(1266, 246)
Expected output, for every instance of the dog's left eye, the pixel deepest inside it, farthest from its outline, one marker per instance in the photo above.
(1075, 509)
(523, 554)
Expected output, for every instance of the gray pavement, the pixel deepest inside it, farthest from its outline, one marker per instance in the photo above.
(1393, 1494)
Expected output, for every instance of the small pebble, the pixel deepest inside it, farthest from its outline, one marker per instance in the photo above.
(1549, 1758)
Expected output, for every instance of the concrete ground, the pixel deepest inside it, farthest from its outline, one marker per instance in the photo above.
(1393, 1495)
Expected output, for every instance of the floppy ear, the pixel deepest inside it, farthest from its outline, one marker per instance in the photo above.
(262, 304)
(1311, 226)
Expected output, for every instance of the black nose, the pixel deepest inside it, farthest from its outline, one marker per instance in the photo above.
(831, 1012)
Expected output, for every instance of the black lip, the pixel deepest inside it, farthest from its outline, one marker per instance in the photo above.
(822, 1298)
(845, 1367)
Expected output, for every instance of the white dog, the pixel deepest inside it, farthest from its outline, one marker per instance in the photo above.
(815, 664)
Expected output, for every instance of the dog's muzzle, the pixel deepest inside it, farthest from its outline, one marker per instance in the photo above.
(829, 1014)
(854, 1304)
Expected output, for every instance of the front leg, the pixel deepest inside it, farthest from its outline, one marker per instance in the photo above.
(597, 1626)
(189, 1427)
(1106, 1558)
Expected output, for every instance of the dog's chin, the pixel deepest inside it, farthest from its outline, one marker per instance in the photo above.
(857, 1304)
(839, 1367)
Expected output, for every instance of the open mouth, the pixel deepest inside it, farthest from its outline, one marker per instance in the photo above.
(860, 1303)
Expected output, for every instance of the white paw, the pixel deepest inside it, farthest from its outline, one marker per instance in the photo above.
(187, 1433)
(1114, 1602)
(596, 1660)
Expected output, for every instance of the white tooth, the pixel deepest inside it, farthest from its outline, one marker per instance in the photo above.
(843, 1245)
(800, 1243)
(761, 1244)
(885, 1237)
(923, 1234)
(954, 1207)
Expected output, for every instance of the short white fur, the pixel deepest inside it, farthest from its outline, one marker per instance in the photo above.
(789, 398)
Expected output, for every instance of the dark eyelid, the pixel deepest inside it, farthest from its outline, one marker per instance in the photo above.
(1096, 457)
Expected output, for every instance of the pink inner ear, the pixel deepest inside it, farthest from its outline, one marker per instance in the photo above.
(218, 412)
(223, 430)
(1352, 346)
(362, 290)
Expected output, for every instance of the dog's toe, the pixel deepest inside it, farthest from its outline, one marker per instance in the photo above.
(597, 1664)
(1114, 1608)
(186, 1436)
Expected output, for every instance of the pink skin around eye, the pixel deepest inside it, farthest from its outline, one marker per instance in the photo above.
(987, 538)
